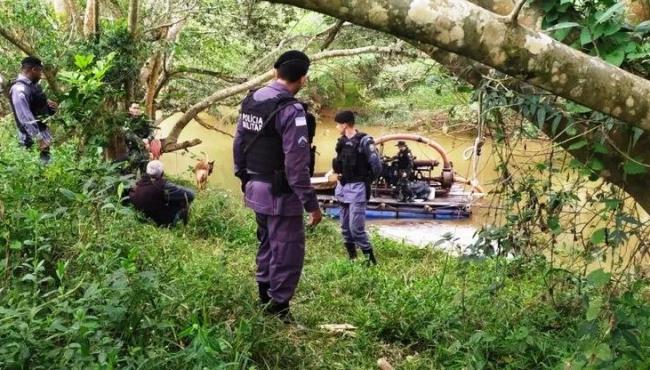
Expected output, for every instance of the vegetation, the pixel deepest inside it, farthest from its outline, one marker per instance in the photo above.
(88, 283)
(557, 279)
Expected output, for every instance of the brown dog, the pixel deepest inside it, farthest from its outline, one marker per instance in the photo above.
(202, 170)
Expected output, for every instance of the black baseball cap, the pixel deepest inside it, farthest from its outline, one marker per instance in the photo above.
(292, 65)
(31, 61)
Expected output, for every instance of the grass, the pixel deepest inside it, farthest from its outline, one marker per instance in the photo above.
(86, 283)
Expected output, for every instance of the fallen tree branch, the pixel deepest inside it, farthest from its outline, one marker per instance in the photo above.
(203, 123)
(193, 111)
(332, 32)
(512, 17)
(207, 72)
(173, 147)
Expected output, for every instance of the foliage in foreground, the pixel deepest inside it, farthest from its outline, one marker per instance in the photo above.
(86, 283)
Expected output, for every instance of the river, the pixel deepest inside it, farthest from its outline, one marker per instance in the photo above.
(218, 147)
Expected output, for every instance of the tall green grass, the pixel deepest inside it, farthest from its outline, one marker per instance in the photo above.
(87, 283)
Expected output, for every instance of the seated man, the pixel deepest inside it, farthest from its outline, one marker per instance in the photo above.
(162, 201)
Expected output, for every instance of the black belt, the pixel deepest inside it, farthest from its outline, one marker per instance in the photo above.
(262, 177)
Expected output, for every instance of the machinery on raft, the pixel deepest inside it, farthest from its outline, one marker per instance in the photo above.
(422, 193)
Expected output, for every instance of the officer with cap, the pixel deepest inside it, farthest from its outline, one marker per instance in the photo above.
(357, 164)
(405, 160)
(30, 107)
(272, 154)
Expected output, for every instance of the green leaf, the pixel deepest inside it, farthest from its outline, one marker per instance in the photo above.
(16, 245)
(554, 225)
(560, 35)
(120, 190)
(599, 278)
(615, 57)
(68, 194)
(611, 12)
(636, 132)
(541, 117)
(643, 27)
(599, 236)
(577, 108)
(631, 338)
(600, 148)
(611, 28)
(612, 204)
(634, 168)
(83, 61)
(562, 26)
(596, 165)
(595, 306)
(603, 352)
(577, 145)
(585, 36)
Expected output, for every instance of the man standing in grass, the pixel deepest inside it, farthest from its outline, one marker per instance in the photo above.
(272, 154)
(30, 107)
(357, 164)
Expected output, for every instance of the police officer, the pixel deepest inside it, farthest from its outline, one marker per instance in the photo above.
(404, 159)
(30, 106)
(271, 154)
(357, 164)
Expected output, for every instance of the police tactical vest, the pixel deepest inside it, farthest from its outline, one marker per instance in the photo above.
(351, 161)
(262, 143)
(36, 99)
(404, 160)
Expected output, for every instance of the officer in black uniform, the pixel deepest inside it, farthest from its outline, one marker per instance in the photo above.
(30, 107)
(404, 160)
(357, 164)
(271, 151)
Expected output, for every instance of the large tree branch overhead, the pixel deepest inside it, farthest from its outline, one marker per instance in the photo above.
(172, 138)
(466, 29)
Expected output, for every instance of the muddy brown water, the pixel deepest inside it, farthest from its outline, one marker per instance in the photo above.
(218, 147)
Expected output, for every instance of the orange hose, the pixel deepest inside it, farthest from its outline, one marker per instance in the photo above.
(420, 139)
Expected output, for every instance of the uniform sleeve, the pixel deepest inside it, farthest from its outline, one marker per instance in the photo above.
(373, 157)
(238, 149)
(23, 113)
(292, 124)
(178, 194)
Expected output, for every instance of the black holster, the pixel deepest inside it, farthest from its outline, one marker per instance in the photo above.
(368, 189)
(280, 184)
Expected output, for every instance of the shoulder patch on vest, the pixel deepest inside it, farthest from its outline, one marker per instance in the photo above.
(301, 121)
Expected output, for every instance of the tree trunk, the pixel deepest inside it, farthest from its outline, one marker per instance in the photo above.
(158, 67)
(91, 19)
(133, 17)
(154, 72)
(49, 71)
(116, 148)
(463, 28)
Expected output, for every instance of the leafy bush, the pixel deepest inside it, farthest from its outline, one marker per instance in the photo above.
(87, 283)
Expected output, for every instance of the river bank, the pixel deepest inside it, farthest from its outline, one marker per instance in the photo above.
(87, 283)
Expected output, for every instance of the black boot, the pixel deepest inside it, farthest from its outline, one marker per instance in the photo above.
(263, 289)
(45, 157)
(352, 250)
(281, 311)
(371, 257)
